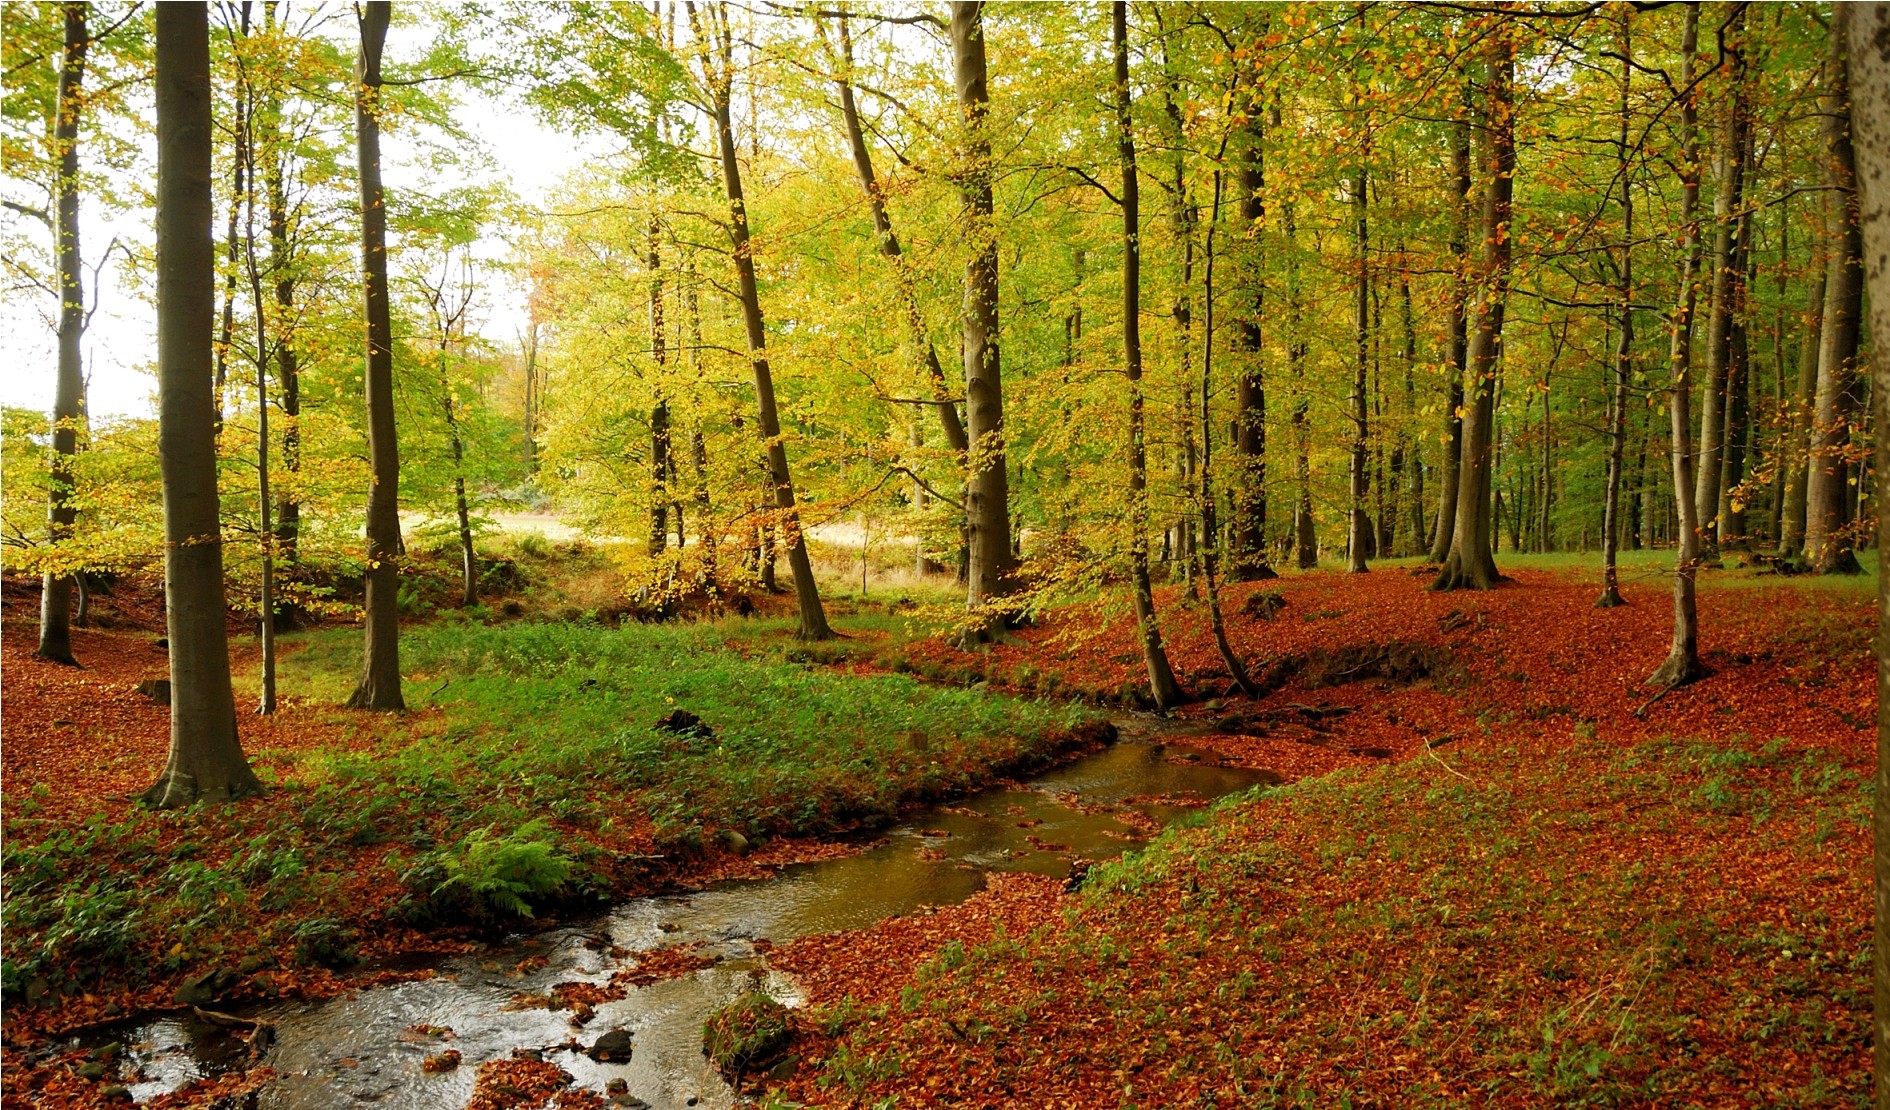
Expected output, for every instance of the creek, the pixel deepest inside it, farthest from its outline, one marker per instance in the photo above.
(357, 1049)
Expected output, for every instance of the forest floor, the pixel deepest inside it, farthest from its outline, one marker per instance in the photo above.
(1507, 875)
(1502, 873)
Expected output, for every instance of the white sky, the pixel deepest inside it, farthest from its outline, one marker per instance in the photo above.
(120, 346)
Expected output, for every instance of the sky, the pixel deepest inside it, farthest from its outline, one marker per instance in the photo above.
(120, 345)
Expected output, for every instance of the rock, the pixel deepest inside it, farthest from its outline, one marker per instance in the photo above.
(115, 1093)
(36, 991)
(733, 841)
(93, 1071)
(203, 988)
(107, 1052)
(1263, 604)
(613, 1047)
(441, 1061)
(1215, 706)
(616, 1087)
(784, 1071)
(157, 689)
(534, 1054)
(251, 964)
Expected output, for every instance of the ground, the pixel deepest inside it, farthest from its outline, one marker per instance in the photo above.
(1501, 871)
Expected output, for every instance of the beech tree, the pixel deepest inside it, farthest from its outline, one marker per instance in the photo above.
(1471, 563)
(1161, 677)
(206, 758)
(379, 687)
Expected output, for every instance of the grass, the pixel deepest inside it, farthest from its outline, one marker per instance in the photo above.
(531, 771)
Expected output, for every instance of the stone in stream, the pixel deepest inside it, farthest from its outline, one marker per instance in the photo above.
(612, 1048)
(733, 841)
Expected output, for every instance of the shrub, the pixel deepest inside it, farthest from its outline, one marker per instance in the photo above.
(486, 876)
(751, 1030)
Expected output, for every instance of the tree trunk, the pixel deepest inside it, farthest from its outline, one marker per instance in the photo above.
(1217, 622)
(1250, 395)
(1870, 78)
(288, 364)
(1827, 511)
(1727, 294)
(206, 759)
(379, 687)
(55, 598)
(698, 445)
(1683, 658)
(918, 338)
(1624, 346)
(1456, 329)
(813, 618)
(1359, 539)
(1791, 526)
(659, 411)
(265, 526)
(1161, 677)
(1408, 318)
(991, 570)
(1470, 564)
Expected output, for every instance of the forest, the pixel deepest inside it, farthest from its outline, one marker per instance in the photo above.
(1133, 554)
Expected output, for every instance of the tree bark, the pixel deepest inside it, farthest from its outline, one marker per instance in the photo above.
(1359, 539)
(1727, 292)
(813, 617)
(1828, 541)
(55, 598)
(659, 411)
(206, 759)
(1456, 330)
(379, 687)
(1791, 527)
(288, 364)
(1161, 677)
(991, 573)
(1869, 57)
(1470, 563)
(1624, 346)
(1683, 657)
(1250, 391)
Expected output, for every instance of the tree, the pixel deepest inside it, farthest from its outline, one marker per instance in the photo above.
(55, 599)
(1682, 664)
(718, 63)
(1161, 677)
(1458, 332)
(1624, 347)
(379, 687)
(1828, 541)
(987, 501)
(1726, 300)
(206, 758)
(1869, 72)
(1471, 564)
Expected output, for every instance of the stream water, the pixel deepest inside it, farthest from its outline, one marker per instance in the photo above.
(356, 1049)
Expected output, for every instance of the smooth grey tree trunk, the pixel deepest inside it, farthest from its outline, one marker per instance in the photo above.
(659, 411)
(1161, 677)
(55, 598)
(1471, 564)
(206, 758)
(1869, 31)
(1791, 526)
(991, 572)
(1682, 664)
(1727, 295)
(1457, 335)
(379, 687)
(288, 362)
(1828, 539)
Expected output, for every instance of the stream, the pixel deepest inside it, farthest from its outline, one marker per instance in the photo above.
(356, 1049)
